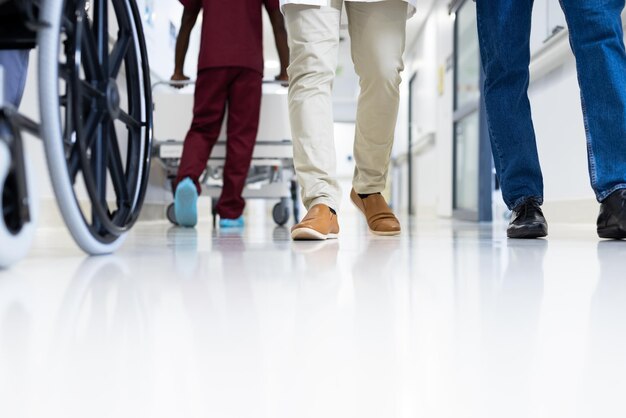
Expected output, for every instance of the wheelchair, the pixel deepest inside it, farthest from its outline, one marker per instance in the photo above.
(96, 121)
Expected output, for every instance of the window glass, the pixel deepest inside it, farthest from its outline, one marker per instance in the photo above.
(468, 56)
(467, 159)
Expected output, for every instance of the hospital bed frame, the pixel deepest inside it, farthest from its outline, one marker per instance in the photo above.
(271, 176)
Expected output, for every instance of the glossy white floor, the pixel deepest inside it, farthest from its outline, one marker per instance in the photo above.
(450, 320)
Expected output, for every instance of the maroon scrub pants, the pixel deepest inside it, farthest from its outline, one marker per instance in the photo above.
(240, 90)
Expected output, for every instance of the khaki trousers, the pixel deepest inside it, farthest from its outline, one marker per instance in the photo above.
(377, 33)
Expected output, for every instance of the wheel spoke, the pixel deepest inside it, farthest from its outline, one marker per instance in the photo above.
(119, 53)
(89, 91)
(101, 32)
(67, 103)
(67, 25)
(130, 121)
(99, 162)
(73, 164)
(89, 51)
(88, 135)
(64, 72)
(116, 168)
(68, 141)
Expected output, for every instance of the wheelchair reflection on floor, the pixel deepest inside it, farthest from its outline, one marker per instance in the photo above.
(95, 109)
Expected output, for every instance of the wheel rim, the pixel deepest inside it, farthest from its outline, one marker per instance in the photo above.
(94, 112)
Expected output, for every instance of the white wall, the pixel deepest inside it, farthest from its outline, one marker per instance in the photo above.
(429, 55)
(162, 22)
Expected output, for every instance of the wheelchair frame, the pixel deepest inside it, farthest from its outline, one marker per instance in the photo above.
(81, 126)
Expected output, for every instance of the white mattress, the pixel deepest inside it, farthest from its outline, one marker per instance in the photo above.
(173, 112)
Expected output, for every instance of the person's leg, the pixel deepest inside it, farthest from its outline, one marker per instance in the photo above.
(377, 33)
(244, 106)
(313, 43)
(209, 106)
(210, 99)
(15, 65)
(504, 35)
(596, 37)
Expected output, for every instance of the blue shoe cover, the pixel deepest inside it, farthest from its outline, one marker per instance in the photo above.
(232, 223)
(186, 203)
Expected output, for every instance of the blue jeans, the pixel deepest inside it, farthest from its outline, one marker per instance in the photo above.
(15, 64)
(597, 41)
(15, 67)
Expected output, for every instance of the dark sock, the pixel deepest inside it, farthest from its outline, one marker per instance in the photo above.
(363, 196)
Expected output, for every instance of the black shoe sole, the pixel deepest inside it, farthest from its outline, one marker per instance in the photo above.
(612, 232)
(537, 231)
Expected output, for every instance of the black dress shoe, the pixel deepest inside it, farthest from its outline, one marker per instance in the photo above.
(612, 219)
(528, 221)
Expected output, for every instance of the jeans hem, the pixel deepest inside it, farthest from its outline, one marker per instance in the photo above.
(521, 200)
(601, 196)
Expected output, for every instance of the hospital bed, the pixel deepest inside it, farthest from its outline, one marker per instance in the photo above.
(95, 108)
(271, 175)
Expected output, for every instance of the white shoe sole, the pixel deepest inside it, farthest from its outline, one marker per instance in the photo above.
(385, 234)
(308, 234)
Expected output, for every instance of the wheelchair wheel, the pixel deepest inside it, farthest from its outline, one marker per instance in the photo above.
(15, 237)
(96, 112)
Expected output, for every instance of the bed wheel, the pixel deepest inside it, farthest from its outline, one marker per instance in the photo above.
(280, 213)
(171, 214)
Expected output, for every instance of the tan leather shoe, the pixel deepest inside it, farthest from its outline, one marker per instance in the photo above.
(318, 224)
(378, 214)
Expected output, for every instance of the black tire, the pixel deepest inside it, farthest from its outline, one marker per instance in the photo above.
(171, 214)
(80, 80)
(280, 213)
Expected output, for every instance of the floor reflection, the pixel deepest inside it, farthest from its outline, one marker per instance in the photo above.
(16, 339)
(511, 310)
(101, 348)
(605, 370)
(449, 320)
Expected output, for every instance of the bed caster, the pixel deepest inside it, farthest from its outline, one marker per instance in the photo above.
(171, 214)
(280, 213)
